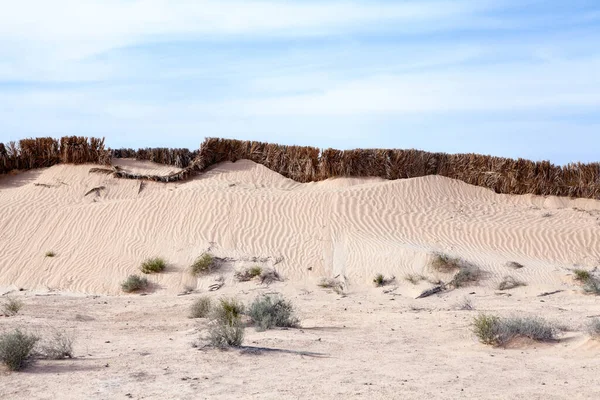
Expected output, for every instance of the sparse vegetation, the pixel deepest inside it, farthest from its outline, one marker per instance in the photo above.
(546, 215)
(444, 263)
(57, 347)
(465, 305)
(332, 283)
(269, 311)
(226, 327)
(204, 265)
(248, 274)
(50, 254)
(514, 265)
(466, 275)
(590, 282)
(582, 275)
(135, 283)
(16, 348)
(381, 280)
(153, 265)
(12, 306)
(497, 331)
(201, 308)
(509, 282)
(414, 278)
(268, 276)
(593, 328)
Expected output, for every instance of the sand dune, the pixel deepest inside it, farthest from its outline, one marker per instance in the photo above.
(354, 228)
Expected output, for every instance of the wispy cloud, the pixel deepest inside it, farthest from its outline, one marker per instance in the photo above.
(353, 73)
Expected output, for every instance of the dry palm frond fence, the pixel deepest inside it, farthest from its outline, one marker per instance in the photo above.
(308, 164)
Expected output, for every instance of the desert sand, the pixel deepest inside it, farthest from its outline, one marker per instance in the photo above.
(366, 342)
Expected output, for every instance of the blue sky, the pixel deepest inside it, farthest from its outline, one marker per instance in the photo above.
(517, 78)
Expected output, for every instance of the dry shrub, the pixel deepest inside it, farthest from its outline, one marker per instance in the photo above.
(509, 282)
(12, 306)
(593, 328)
(590, 282)
(153, 265)
(50, 254)
(272, 310)
(445, 263)
(16, 348)
(269, 275)
(332, 283)
(415, 278)
(57, 347)
(465, 305)
(201, 308)
(203, 265)
(514, 265)
(248, 274)
(135, 283)
(498, 331)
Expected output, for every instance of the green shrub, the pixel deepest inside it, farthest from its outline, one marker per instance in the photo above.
(223, 334)
(226, 327)
(12, 306)
(269, 311)
(248, 274)
(508, 282)
(201, 308)
(153, 265)
(582, 275)
(203, 265)
(50, 253)
(16, 348)
(498, 331)
(135, 283)
(227, 310)
(381, 280)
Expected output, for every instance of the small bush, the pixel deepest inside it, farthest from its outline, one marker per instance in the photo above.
(465, 305)
(203, 265)
(248, 274)
(582, 275)
(592, 286)
(444, 263)
(12, 306)
(201, 308)
(334, 284)
(414, 278)
(594, 328)
(16, 348)
(227, 310)
(514, 265)
(498, 331)
(59, 346)
(50, 253)
(466, 275)
(153, 265)
(135, 283)
(508, 282)
(269, 311)
(226, 327)
(381, 280)
(222, 334)
(269, 276)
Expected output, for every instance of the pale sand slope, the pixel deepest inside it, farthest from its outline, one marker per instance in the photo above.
(349, 227)
(368, 344)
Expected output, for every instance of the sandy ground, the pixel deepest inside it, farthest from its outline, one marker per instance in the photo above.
(370, 343)
(366, 345)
